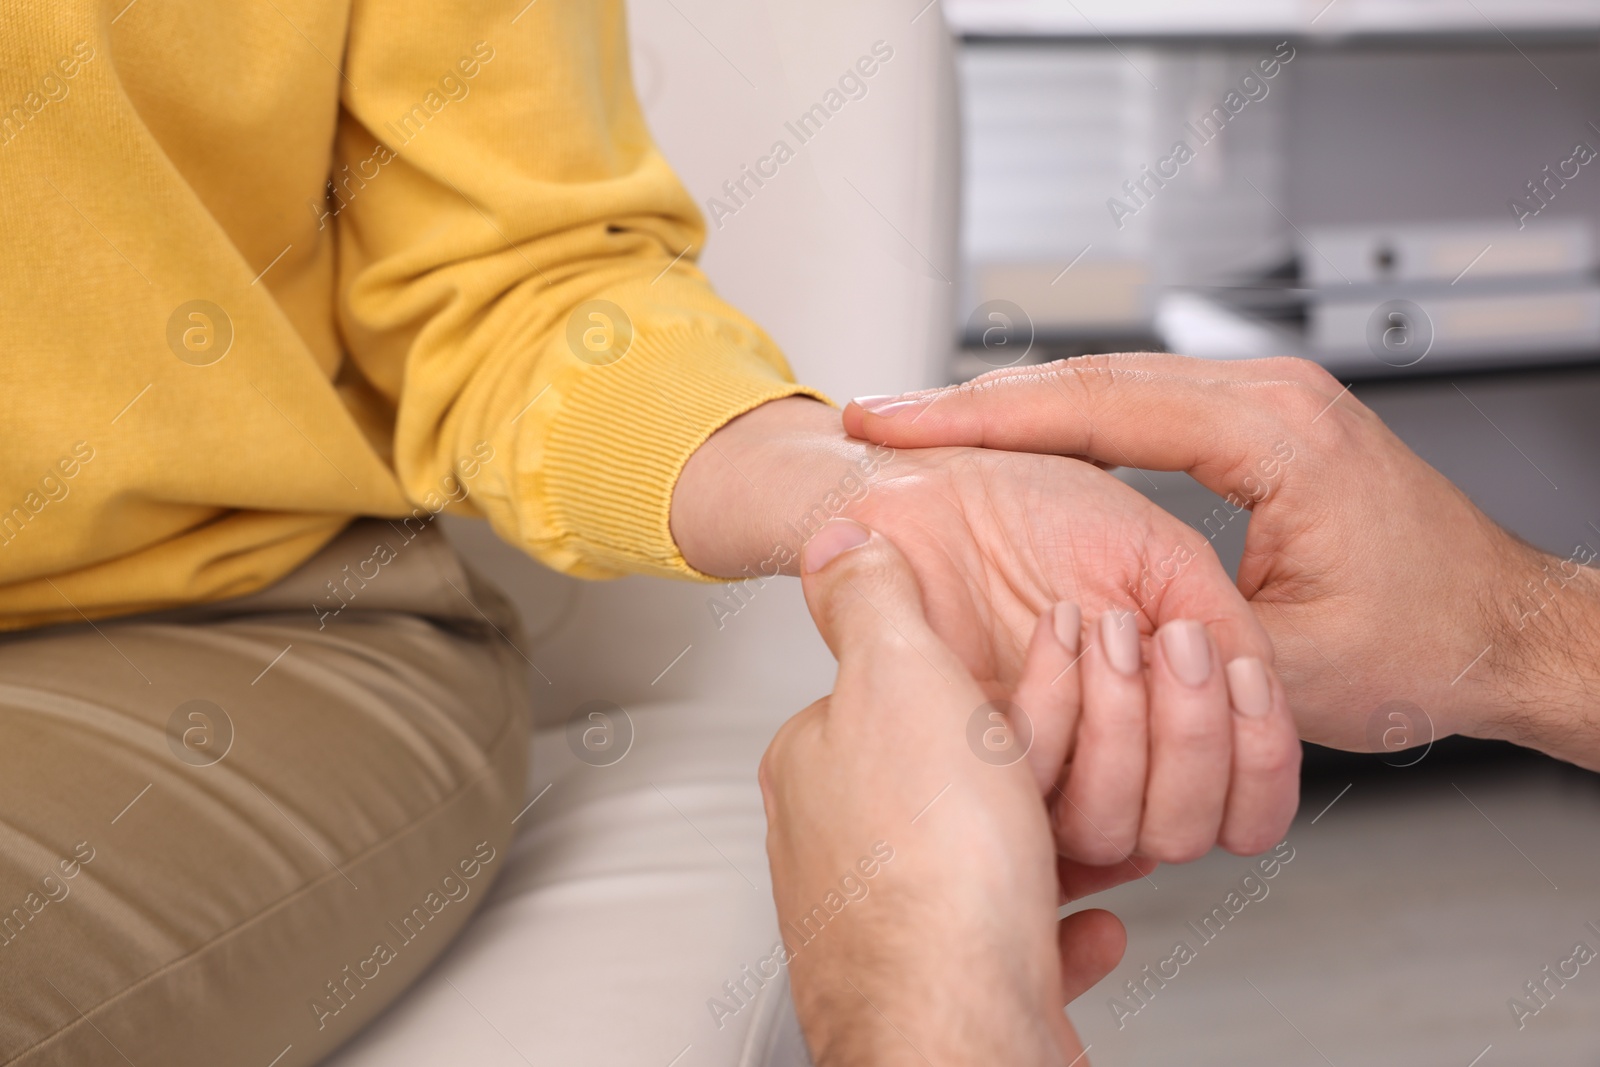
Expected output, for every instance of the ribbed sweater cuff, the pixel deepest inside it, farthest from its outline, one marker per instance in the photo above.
(625, 431)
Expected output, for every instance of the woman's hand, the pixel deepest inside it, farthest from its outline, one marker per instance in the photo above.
(916, 885)
(1378, 580)
(994, 541)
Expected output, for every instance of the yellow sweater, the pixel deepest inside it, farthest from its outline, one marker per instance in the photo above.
(265, 267)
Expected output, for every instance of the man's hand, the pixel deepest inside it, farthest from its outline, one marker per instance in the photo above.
(1378, 580)
(994, 541)
(916, 885)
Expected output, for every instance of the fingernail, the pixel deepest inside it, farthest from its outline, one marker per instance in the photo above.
(1121, 638)
(1188, 651)
(1067, 619)
(1248, 687)
(888, 409)
(873, 403)
(836, 537)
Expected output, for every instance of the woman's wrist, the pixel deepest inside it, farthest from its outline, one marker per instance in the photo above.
(747, 499)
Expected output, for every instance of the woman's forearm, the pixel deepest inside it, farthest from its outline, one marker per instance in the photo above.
(761, 485)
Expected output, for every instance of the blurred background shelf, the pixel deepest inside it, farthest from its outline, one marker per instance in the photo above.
(1084, 223)
(1329, 19)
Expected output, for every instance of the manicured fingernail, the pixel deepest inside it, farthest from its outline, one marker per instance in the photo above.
(1188, 651)
(873, 403)
(836, 537)
(1248, 688)
(1121, 638)
(1067, 619)
(888, 409)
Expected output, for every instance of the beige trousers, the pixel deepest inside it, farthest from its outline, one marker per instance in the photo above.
(232, 834)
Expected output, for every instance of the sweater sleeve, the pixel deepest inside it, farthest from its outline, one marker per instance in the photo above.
(517, 278)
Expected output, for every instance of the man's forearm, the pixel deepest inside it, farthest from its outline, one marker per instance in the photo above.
(1548, 670)
(754, 492)
(899, 1002)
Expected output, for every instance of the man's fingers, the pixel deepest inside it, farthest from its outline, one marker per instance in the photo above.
(1092, 943)
(1218, 421)
(783, 766)
(780, 750)
(1078, 880)
(863, 594)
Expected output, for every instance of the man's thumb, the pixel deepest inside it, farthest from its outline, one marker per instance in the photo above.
(860, 589)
